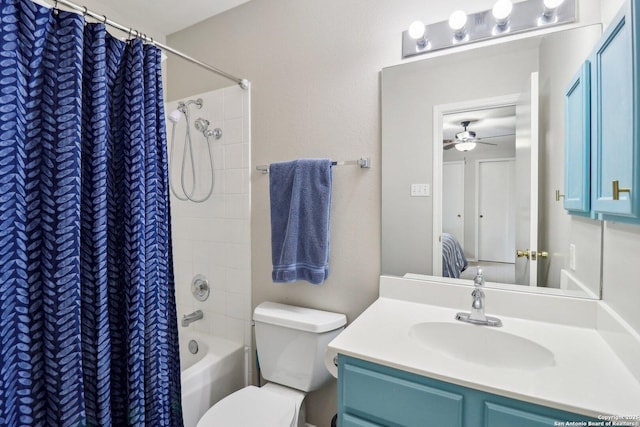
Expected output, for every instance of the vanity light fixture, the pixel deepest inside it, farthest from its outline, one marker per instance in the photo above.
(501, 12)
(417, 31)
(458, 22)
(505, 18)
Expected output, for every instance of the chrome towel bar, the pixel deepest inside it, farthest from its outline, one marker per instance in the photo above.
(363, 162)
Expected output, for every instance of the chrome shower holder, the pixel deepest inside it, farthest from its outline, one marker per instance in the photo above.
(202, 125)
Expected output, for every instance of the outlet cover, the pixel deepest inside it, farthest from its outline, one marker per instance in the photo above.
(572, 257)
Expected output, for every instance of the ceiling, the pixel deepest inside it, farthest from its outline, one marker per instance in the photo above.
(487, 122)
(158, 18)
(494, 125)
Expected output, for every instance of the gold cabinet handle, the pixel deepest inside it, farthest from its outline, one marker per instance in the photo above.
(617, 190)
(558, 195)
(522, 254)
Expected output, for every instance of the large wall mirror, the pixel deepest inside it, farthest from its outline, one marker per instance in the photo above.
(481, 132)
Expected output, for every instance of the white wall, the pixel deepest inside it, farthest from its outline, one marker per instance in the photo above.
(621, 284)
(609, 9)
(213, 238)
(315, 68)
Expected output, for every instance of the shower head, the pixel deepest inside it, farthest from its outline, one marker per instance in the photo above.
(174, 116)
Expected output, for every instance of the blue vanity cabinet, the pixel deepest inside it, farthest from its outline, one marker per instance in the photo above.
(615, 122)
(371, 395)
(577, 173)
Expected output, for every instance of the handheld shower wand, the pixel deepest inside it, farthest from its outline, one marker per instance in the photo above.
(201, 125)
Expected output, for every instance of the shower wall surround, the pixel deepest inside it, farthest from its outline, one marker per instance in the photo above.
(213, 238)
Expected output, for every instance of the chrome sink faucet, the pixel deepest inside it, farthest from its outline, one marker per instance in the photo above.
(188, 319)
(477, 316)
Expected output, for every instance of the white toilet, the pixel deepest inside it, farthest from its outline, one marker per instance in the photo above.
(291, 343)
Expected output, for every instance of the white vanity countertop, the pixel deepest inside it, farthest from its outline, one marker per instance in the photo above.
(587, 378)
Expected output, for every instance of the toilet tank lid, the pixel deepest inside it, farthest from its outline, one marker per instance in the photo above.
(304, 319)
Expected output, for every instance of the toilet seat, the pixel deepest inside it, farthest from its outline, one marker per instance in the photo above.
(252, 407)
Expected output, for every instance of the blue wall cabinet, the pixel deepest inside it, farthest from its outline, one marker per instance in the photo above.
(371, 395)
(577, 173)
(615, 122)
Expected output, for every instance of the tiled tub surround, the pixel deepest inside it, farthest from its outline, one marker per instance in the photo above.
(213, 238)
(595, 351)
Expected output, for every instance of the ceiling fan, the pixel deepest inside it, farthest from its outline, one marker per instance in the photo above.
(467, 140)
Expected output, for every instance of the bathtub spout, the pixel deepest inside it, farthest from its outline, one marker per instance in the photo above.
(188, 319)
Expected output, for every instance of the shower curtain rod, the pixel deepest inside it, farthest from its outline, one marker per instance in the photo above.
(87, 12)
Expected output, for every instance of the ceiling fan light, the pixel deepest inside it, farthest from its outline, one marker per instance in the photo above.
(465, 146)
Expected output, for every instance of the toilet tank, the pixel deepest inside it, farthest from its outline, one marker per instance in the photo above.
(291, 343)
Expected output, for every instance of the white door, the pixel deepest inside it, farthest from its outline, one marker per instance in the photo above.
(496, 210)
(453, 193)
(527, 183)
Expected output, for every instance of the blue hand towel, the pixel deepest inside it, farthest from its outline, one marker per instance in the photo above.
(300, 193)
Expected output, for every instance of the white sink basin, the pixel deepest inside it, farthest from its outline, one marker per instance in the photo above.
(482, 345)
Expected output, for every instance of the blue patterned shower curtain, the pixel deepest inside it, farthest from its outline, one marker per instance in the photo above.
(88, 333)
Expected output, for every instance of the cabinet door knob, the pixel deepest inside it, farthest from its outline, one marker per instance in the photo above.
(617, 190)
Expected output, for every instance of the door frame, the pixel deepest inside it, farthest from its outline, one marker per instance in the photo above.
(439, 111)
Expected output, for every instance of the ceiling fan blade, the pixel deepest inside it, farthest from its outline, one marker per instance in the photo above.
(485, 143)
(496, 136)
(449, 147)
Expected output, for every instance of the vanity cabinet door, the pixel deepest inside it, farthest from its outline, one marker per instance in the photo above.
(577, 101)
(351, 421)
(505, 416)
(615, 125)
(371, 395)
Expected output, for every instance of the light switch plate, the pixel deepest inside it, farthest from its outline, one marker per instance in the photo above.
(420, 190)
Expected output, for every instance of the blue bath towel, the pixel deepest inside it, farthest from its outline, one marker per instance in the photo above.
(300, 193)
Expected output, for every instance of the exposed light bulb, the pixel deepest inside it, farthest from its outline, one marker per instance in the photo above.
(501, 11)
(417, 30)
(552, 4)
(457, 20)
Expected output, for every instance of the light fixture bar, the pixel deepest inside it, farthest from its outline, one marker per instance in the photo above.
(525, 16)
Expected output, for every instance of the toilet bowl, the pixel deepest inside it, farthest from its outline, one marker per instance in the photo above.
(291, 343)
(268, 406)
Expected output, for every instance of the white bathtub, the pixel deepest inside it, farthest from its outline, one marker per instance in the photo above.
(215, 371)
